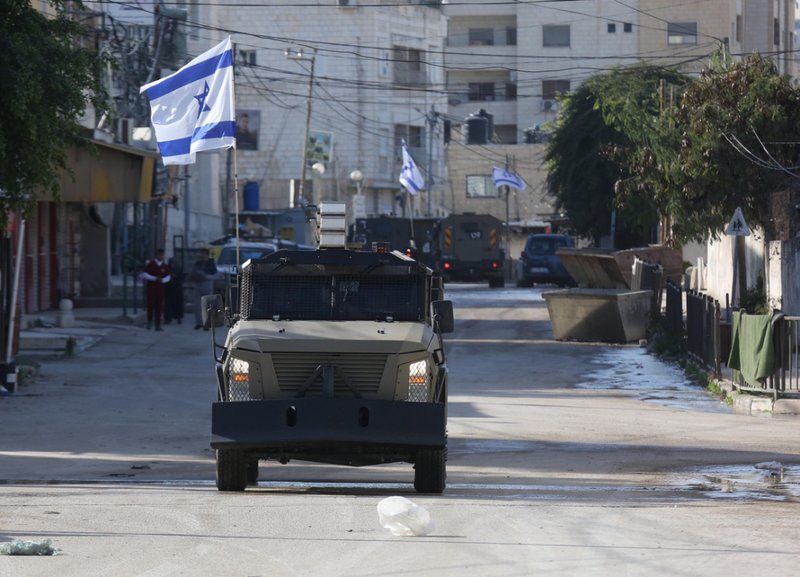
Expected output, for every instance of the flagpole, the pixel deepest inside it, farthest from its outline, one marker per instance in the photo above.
(236, 199)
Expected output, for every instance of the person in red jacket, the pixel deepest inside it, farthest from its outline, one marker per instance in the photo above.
(155, 275)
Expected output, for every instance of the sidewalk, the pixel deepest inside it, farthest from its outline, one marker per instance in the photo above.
(50, 333)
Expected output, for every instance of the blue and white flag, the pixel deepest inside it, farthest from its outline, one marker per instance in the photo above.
(502, 177)
(193, 109)
(410, 176)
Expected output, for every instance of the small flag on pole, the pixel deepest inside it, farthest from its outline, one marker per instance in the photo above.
(502, 177)
(192, 110)
(410, 176)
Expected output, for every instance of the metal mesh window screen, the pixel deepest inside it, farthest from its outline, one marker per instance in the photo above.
(418, 382)
(319, 295)
(239, 380)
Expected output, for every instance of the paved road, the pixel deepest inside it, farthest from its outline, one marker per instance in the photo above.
(565, 458)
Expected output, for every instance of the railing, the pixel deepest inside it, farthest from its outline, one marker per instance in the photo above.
(785, 377)
(702, 335)
(674, 309)
(702, 330)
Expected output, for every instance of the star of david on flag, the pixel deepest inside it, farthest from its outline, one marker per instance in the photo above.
(193, 109)
(502, 177)
(410, 176)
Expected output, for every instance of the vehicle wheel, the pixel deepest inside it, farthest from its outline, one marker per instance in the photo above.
(252, 472)
(231, 470)
(430, 471)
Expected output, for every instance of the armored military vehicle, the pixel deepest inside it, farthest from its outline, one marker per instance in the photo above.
(333, 356)
(469, 248)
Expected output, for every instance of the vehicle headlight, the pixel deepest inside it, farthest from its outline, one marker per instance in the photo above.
(238, 380)
(418, 382)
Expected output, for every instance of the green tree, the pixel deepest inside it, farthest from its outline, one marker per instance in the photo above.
(731, 142)
(49, 76)
(602, 124)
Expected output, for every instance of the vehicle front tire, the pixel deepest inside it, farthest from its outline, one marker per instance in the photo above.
(430, 471)
(232, 470)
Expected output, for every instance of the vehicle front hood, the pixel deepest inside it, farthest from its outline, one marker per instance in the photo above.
(329, 336)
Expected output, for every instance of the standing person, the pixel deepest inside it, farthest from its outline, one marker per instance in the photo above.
(203, 272)
(155, 274)
(173, 297)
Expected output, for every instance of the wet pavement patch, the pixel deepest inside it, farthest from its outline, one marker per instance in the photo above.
(633, 369)
(770, 480)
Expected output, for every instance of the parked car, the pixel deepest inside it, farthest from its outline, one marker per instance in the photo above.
(539, 262)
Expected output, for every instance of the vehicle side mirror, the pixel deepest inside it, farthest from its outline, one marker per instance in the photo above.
(213, 312)
(443, 316)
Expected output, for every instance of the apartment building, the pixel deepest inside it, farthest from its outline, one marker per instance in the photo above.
(685, 33)
(513, 60)
(354, 81)
(510, 61)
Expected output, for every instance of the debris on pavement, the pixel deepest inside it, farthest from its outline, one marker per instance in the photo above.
(20, 547)
(404, 518)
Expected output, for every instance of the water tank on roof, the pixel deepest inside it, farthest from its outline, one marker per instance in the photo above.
(477, 131)
(489, 123)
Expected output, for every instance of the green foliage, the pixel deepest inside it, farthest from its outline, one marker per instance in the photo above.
(602, 124)
(49, 76)
(754, 299)
(708, 155)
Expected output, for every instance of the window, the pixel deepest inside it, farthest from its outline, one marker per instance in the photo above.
(612, 28)
(481, 187)
(481, 37)
(627, 27)
(511, 91)
(413, 135)
(247, 57)
(555, 35)
(408, 66)
(480, 91)
(738, 28)
(776, 32)
(552, 88)
(681, 33)
(511, 36)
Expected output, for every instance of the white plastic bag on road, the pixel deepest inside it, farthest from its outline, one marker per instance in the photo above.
(403, 517)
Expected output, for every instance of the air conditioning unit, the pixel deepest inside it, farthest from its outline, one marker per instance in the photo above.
(549, 105)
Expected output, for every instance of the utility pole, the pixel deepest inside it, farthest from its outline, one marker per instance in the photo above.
(432, 119)
(298, 55)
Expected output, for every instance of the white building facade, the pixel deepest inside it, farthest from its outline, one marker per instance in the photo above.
(378, 80)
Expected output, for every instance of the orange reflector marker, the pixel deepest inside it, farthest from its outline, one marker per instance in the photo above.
(416, 380)
(240, 377)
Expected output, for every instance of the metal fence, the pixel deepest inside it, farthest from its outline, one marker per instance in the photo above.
(785, 378)
(700, 331)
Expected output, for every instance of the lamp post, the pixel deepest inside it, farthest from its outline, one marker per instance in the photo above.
(298, 55)
(316, 193)
(358, 208)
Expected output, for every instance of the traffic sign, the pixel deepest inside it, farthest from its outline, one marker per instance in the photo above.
(737, 226)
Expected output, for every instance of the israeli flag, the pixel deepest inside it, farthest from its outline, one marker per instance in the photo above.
(193, 109)
(410, 176)
(503, 177)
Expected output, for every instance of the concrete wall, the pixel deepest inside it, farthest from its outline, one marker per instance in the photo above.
(719, 269)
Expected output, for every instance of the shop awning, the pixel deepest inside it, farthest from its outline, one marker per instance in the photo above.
(108, 173)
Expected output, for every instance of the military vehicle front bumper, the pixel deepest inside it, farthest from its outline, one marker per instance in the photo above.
(307, 425)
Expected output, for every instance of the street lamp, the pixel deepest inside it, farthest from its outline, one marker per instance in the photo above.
(358, 177)
(318, 169)
(358, 202)
(298, 55)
